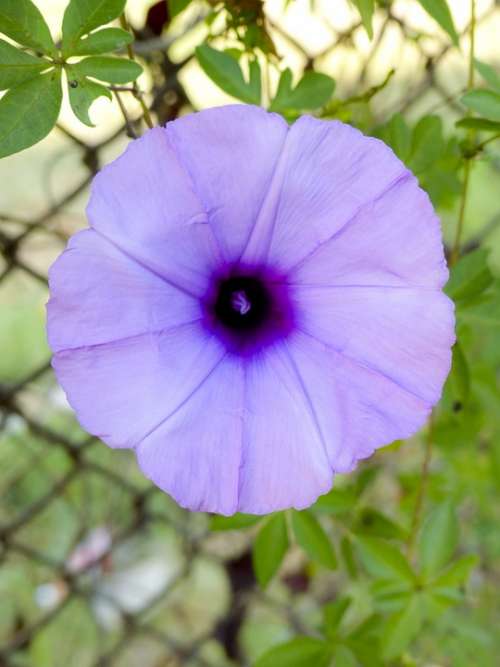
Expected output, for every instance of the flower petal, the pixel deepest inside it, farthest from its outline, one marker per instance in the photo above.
(231, 153)
(394, 240)
(245, 441)
(194, 452)
(98, 294)
(143, 202)
(285, 462)
(328, 172)
(123, 389)
(357, 409)
(404, 334)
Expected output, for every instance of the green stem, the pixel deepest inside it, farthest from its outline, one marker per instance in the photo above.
(455, 253)
(135, 90)
(422, 487)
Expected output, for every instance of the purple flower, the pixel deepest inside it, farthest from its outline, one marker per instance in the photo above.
(254, 307)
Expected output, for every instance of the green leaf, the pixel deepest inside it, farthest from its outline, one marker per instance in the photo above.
(333, 613)
(175, 7)
(486, 311)
(344, 657)
(226, 72)
(402, 628)
(490, 75)
(83, 16)
(235, 522)
(22, 21)
(82, 92)
(16, 66)
(382, 559)
(460, 374)
(255, 82)
(457, 574)
(298, 652)
(373, 522)
(440, 12)
(29, 111)
(348, 556)
(398, 135)
(366, 9)
(102, 41)
(484, 102)
(107, 68)
(336, 501)
(469, 277)
(313, 539)
(439, 538)
(479, 124)
(313, 91)
(427, 144)
(269, 548)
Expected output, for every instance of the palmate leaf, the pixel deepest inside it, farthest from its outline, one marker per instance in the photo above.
(269, 548)
(234, 522)
(312, 91)
(226, 72)
(83, 16)
(175, 7)
(439, 538)
(402, 628)
(313, 539)
(366, 9)
(470, 277)
(298, 652)
(427, 144)
(29, 111)
(459, 377)
(22, 21)
(102, 41)
(484, 102)
(482, 124)
(82, 93)
(107, 68)
(440, 12)
(382, 559)
(490, 75)
(16, 66)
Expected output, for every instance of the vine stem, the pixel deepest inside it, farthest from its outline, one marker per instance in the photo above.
(135, 90)
(422, 487)
(455, 253)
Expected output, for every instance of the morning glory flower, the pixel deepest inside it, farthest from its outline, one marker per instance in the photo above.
(254, 308)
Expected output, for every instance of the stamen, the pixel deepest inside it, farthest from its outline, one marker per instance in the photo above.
(240, 302)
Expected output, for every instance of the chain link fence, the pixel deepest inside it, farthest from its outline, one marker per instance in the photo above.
(98, 566)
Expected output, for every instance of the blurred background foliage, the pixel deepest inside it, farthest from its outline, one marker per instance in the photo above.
(399, 564)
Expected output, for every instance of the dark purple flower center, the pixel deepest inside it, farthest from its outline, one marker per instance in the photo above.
(243, 303)
(248, 308)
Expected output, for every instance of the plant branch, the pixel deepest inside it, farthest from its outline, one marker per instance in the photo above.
(455, 253)
(135, 90)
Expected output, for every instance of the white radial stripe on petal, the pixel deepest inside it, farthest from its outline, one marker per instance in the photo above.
(331, 171)
(394, 240)
(256, 248)
(230, 154)
(98, 295)
(195, 454)
(122, 390)
(404, 334)
(368, 410)
(356, 408)
(284, 463)
(145, 204)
